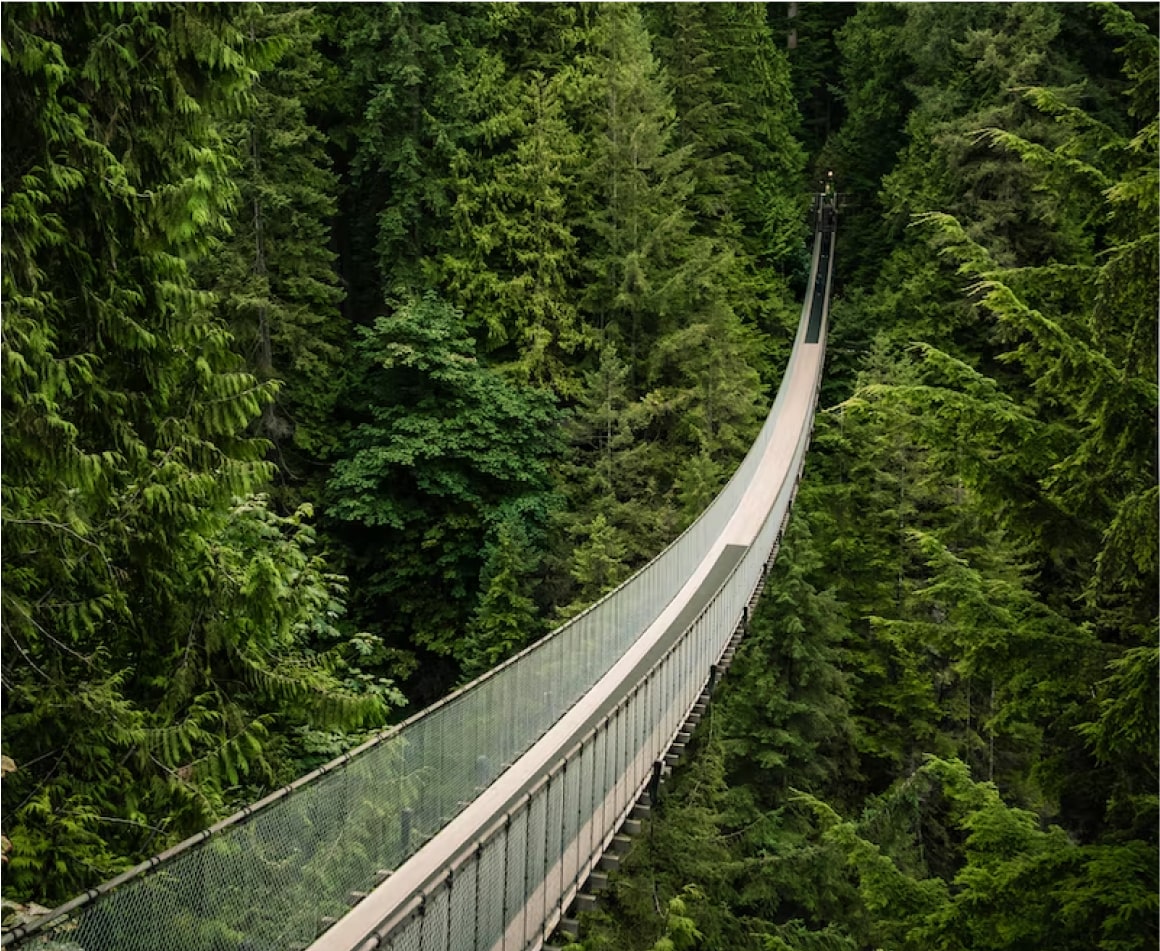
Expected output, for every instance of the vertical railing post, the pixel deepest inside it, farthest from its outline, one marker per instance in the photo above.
(527, 873)
(547, 857)
(405, 819)
(593, 826)
(450, 899)
(478, 875)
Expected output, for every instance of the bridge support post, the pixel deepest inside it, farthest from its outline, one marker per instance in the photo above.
(405, 818)
(654, 784)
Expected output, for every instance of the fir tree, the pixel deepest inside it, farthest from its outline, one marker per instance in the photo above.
(787, 716)
(403, 103)
(511, 253)
(506, 618)
(762, 127)
(612, 470)
(642, 259)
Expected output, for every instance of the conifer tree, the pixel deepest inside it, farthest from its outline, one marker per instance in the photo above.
(787, 720)
(735, 113)
(154, 612)
(599, 562)
(762, 129)
(511, 252)
(274, 274)
(1071, 896)
(687, 45)
(613, 472)
(644, 263)
(505, 619)
(406, 89)
(659, 290)
(874, 83)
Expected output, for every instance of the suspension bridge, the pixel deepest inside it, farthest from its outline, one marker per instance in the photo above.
(481, 822)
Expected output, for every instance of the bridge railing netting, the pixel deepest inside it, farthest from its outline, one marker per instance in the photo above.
(274, 875)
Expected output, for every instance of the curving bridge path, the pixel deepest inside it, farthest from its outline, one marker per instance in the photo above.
(477, 823)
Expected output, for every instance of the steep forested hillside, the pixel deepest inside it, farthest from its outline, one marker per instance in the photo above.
(347, 349)
(942, 731)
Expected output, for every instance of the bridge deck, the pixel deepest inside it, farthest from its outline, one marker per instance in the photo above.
(272, 870)
(376, 915)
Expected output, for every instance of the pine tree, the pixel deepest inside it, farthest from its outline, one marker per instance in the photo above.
(404, 100)
(688, 46)
(812, 42)
(613, 471)
(598, 562)
(659, 291)
(735, 114)
(645, 267)
(762, 128)
(875, 86)
(786, 718)
(1070, 896)
(736, 111)
(505, 619)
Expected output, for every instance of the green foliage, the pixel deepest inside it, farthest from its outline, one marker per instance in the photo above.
(526, 164)
(505, 618)
(612, 474)
(400, 110)
(943, 735)
(762, 126)
(721, 844)
(787, 720)
(206, 210)
(157, 618)
(736, 114)
(274, 271)
(447, 452)
(795, 935)
(511, 253)
(681, 931)
(598, 562)
(649, 274)
(811, 33)
(1016, 885)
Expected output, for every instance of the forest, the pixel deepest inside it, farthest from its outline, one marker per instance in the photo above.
(348, 349)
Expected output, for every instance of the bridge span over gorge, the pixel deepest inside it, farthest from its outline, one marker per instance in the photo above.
(479, 822)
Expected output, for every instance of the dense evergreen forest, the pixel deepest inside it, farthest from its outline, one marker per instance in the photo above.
(348, 349)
